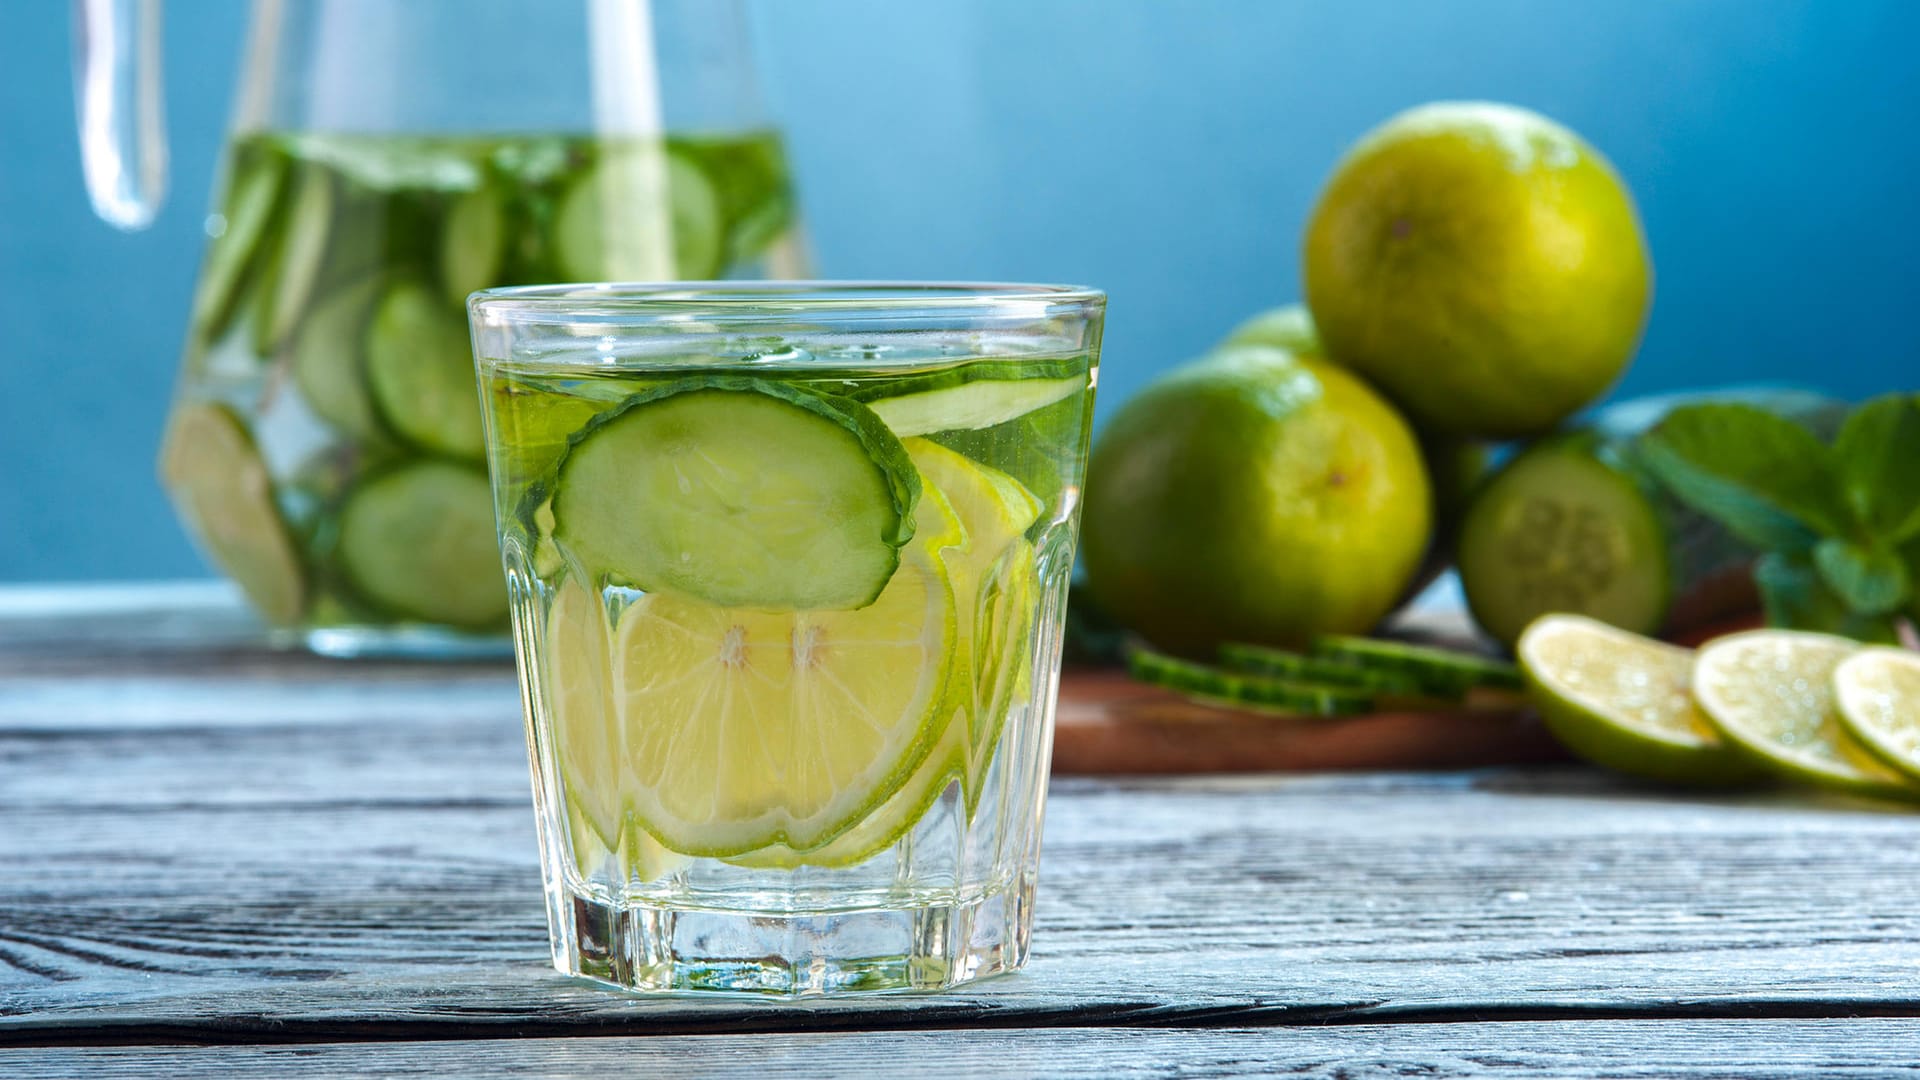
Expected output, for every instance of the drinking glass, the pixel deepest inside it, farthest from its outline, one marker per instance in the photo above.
(787, 566)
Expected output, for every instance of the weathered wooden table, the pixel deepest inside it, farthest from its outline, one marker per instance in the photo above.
(219, 859)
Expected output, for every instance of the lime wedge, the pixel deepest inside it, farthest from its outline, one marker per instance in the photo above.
(1771, 693)
(991, 568)
(745, 728)
(1625, 702)
(1878, 691)
(224, 492)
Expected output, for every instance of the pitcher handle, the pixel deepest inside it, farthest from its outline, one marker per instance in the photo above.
(118, 101)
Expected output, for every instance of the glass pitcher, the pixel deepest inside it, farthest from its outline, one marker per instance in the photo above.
(385, 160)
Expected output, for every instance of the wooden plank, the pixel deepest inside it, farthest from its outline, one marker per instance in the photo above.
(376, 874)
(1731, 1049)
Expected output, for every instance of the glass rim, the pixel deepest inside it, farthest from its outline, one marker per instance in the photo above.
(642, 303)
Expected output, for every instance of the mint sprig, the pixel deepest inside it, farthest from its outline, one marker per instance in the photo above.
(1838, 527)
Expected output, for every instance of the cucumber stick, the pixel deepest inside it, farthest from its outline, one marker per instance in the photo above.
(739, 492)
(420, 370)
(1238, 689)
(417, 541)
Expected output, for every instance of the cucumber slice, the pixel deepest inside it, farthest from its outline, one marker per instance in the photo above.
(1561, 530)
(1233, 690)
(473, 244)
(741, 492)
(606, 227)
(250, 203)
(225, 494)
(1260, 660)
(971, 397)
(1437, 671)
(418, 540)
(420, 369)
(300, 252)
(329, 362)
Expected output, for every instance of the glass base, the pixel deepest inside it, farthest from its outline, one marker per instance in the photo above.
(651, 949)
(407, 642)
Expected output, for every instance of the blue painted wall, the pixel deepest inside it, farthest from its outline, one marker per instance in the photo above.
(1167, 151)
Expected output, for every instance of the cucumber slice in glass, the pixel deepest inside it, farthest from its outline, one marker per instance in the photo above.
(224, 492)
(741, 492)
(607, 226)
(418, 541)
(250, 203)
(420, 369)
(971, 397)
(329, 361)
(298, 255)
(473, 244)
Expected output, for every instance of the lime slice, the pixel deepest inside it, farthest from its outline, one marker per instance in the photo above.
(1437, 671)
(1771, 693)
(1625, 702)
(1878, 691)
(741, 493)
(1235, 690)
(990, 568)
(746, 728)
(225, 495)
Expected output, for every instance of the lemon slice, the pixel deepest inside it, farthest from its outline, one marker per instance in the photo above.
(991, 565)
(1878, 691)
(587, 743)
(745, 728)
(1625, 701)
(1771, 693)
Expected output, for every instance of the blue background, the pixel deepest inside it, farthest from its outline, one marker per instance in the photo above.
(1166, 151)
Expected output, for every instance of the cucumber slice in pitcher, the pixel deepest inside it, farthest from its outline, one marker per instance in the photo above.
(250, 203)
(739, 492)
(473, 244)
(329, 361)
(420, 369)
(607, 226)
(972, 397)
(418, 541)
(221, 485)
(299, 253)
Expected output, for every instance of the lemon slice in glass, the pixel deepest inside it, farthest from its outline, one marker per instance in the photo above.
(1771, 693)
(1878, 691)
(746, 728)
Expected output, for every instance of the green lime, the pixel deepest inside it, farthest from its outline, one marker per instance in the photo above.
(1625, 702)
(1878, 692)
(1481, 264)
(745, 728)
(1771, 692)
(1253, 496)
(1289, 327)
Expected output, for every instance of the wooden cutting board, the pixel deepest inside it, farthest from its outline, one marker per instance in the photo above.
(1109, 724)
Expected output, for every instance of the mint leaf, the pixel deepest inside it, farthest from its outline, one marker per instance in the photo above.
(1766, 478)
(1878, 456)
(1871, 581)
(1796, 597)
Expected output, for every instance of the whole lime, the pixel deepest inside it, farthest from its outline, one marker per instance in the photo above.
(1455, 464)
(1253, 495)
(1481, 264)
